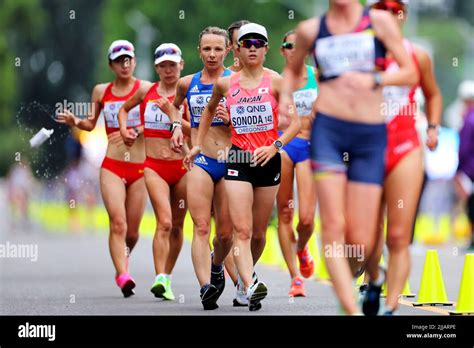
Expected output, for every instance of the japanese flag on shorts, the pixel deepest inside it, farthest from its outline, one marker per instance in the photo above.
(232, 172)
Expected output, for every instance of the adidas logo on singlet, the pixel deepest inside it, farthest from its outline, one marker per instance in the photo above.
(201, 160)
(195, 89)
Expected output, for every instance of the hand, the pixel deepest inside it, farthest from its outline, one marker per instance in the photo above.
(177, 140)
(432, 140)
(128, 136)
(222, 113)
(358, 80)
(115, 138)
(164, 105)
(264, 154)
(188, 161)
(67, 117)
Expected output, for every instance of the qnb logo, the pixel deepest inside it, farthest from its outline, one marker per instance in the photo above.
(37, 331)
(200, 100)
(240, 110)
(154, 107)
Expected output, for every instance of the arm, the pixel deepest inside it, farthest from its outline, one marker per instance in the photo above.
(434, 99)
(129, 135)
(265, 153)
(219, 90)
(88, 123)
(388, 31)
(176, 117)
(305, 36)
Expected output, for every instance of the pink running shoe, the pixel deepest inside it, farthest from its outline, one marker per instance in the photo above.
(126, 283)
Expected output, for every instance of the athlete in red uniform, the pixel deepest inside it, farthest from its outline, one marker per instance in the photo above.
(164, 171)
(403, 169)
(121, 176)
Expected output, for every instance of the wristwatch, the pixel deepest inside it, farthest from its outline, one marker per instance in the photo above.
(136, 131)
(279, 145)
(433, 126)
(175, 125)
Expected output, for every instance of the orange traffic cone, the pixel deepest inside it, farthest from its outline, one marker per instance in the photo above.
(432, 291)
(465, 305)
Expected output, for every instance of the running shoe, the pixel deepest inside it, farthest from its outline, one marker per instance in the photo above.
(256, 293)
(209, 295)
(371, 302)
(168, 294)
(306, 262)
(297, 288)
(240, 299)
(388, 313)
(218, 278)
(126, 283)
(159, 287)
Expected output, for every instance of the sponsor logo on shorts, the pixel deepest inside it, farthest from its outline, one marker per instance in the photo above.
(277, 177)
(232, 172)
(403, 147)
(201, 160)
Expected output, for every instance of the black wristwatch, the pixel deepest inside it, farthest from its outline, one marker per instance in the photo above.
(279, 145)
(433, 126)
(136, 131)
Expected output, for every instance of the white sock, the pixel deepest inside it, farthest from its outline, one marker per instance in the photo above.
(168, 276)
(380, 279)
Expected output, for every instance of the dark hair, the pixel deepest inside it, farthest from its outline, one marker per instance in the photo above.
(288, 34)
(234, 26)
(214, 31)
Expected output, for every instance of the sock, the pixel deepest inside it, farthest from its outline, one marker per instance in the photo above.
(380, 279)
(167, 276)
(204, 287)
(216, 268)
(160, 275)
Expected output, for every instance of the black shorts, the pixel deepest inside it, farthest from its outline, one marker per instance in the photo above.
(240, 168)
(470, 208)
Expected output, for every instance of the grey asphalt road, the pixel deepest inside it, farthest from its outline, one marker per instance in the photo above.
(74, 276)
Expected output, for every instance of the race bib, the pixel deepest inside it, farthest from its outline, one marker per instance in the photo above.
(304, 101)
(252, 118)
(343, 53)
(198, 103)
(111, 110)
(155, 118)
(396, 98)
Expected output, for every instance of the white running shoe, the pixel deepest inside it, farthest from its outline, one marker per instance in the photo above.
(255, 293)
(240, 299)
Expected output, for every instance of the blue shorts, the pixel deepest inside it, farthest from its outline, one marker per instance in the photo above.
(357, 149)
(213, 167)
(297, 149)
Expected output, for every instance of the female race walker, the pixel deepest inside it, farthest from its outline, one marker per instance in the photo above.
(206, 174)
(253, 162)
(164, 171)
(349, 44)
(121, 175)
(403, 168)
(295, 159)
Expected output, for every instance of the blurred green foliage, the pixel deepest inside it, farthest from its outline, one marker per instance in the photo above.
(75, 35)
